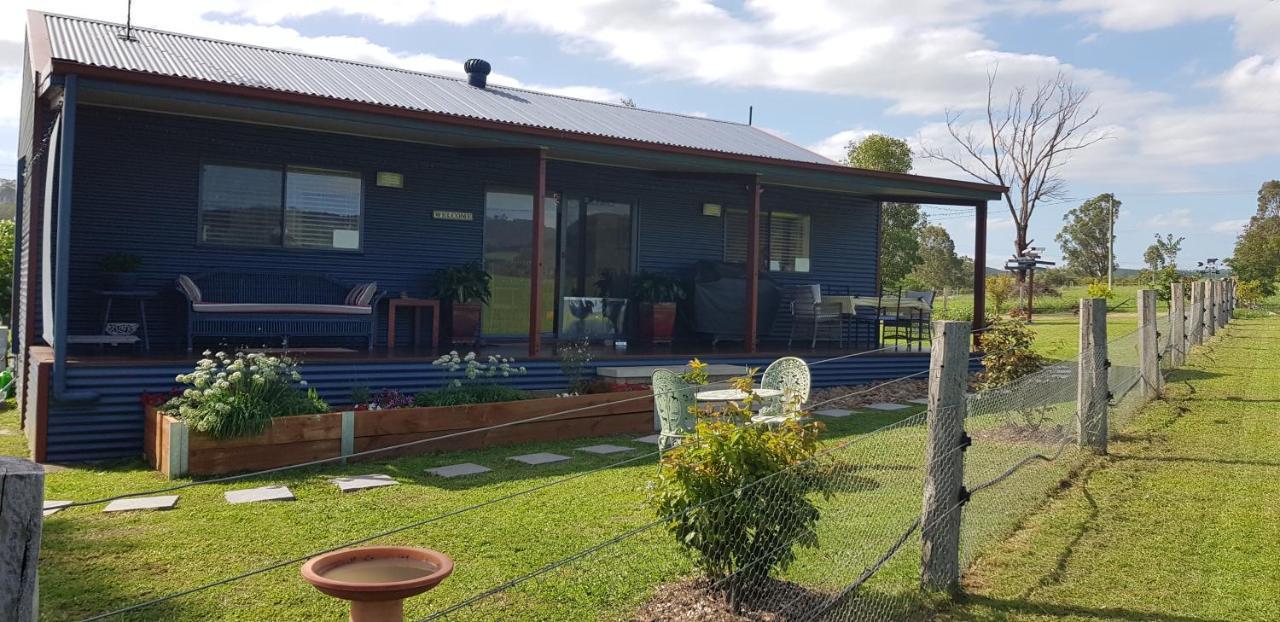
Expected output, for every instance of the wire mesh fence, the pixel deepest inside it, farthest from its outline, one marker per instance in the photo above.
(852, 552)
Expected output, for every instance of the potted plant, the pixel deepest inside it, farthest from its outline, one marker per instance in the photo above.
(656, 295)
(462, 290)
(120, 271)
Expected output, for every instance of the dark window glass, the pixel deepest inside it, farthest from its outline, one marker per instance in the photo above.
(322, 209)
(240, 205)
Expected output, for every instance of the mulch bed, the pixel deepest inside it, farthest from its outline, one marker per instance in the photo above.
(693, 601)
(896, 393)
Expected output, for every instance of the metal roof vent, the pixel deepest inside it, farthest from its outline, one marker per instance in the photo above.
(477, 72)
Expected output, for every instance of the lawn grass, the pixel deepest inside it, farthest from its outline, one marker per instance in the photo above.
(1180, 523)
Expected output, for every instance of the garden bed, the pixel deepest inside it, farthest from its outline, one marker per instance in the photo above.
(176, 450)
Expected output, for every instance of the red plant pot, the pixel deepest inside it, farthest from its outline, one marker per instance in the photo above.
(657, 322)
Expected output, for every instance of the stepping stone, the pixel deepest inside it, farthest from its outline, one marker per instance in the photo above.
(266, 493)
(920, 400)
(605, 449)
(165, 502)
(458, 470)
(887, 406)
(361, 482)
(540, 458)
(652, 439)
(833, 412)
(53, 507)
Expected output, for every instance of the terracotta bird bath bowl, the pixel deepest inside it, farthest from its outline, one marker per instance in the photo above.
(377, 579)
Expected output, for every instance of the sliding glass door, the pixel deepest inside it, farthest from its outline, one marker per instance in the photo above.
(596, 260)
(508, 255)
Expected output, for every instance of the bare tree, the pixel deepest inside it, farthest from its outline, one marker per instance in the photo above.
(1024, 145)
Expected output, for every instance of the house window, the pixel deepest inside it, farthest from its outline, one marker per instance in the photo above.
(784, 240)
(291, 207)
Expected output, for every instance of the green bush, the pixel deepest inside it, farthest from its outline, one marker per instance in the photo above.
(6, 268)
(469, 394)
(231, 396)
(726, 499)
(1100, 290)
(1008, 353)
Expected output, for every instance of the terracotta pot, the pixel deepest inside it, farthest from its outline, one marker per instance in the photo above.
(463, 323)
(657, 322)
(372, 600)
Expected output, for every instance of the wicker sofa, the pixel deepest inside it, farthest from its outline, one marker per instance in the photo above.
(277, 305)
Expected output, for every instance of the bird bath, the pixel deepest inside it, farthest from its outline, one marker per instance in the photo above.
(377, 579)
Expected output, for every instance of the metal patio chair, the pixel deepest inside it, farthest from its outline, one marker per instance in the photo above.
(812, 318)
(790, 375)
(673, 401)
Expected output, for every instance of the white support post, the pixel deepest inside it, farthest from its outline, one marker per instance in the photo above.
(1195, 321)
(1177, 325)
(944, 457)
(1148, 346)
(1091, 389)
(21, 521)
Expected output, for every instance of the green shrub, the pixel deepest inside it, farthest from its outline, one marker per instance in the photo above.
(1100, 290)
(1000, 289)
(1007, 353)
(469, 394)
(726, 499)
(1249, 293)
(231, 396)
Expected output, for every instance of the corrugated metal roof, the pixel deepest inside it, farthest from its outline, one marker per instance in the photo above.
(169, 54)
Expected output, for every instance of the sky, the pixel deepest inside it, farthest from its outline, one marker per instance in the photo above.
(1188, 91)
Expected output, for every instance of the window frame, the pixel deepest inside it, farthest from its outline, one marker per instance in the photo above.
(283, 170)
(766, 238)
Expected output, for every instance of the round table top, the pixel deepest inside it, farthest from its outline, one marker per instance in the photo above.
(734, 395)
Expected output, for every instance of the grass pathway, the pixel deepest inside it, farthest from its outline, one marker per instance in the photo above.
(1181, 523)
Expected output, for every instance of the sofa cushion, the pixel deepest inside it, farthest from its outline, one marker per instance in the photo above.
(253, 307)
(189, 288)
(361, 295)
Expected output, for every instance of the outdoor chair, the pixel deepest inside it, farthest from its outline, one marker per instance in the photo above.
(790, 375)
(673, 401)
(812, 318)
(920, 321)
(896, 325)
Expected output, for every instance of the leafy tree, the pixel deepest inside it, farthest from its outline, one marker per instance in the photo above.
(1162, 264)
(1257, 253)
(939, 267)
(6, 268)
(1000, 290)
(899, 245)
(1087, 236)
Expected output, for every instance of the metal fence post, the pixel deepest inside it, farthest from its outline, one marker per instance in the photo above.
(1177, 325)
(1148, 345)
(1211, 309)
(1091, 384)
(1195, 322)
(944, 457)
(21, 520)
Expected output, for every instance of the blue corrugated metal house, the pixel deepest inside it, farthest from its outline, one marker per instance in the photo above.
(202, 156)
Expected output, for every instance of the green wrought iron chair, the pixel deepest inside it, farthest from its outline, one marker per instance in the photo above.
(790, 375)
(673, 400)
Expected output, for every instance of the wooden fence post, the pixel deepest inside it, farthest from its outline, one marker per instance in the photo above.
(21, 520)
(1148, 345)
(1211, 308)
(944, 457)
(1195, 321)
(1177, 325)
(1091, 384)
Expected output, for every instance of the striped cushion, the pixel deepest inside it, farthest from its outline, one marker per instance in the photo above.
(189, 288)
(353, 295)
(366, 294)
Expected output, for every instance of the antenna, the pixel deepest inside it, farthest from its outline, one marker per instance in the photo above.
(127, 35)
(751, 113)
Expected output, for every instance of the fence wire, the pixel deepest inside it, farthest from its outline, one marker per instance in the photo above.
(859, 561)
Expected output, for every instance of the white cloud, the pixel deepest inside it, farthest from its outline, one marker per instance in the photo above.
(1232, 226)
(834, 146)
(1179, 218)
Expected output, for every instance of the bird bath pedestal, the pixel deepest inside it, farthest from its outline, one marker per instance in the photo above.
(377, 579)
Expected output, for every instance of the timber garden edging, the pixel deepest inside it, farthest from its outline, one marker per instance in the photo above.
(175, 450)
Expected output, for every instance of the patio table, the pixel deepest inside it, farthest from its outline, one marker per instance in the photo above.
(848, 304)
(734, 395)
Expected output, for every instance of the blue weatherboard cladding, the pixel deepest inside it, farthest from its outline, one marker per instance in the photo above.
(137, 183)
(112, 427)
(136, 190)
